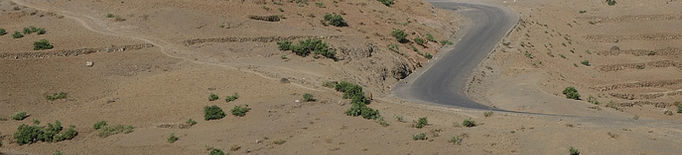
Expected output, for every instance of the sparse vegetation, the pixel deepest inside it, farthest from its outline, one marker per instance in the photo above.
(358, 101)
(429, 37)
(386, 2)
(213, 112)
(319, 4)
(420, 136)
(3, 32)
(56, 96)
(216, 152)
(399, 35)
(36, 122)
(468, 123)
(573, 151)
(571, 93)
(421, 123)
(562, 56)
(279, 142)
(172, 138)
(191, 122)
(308, 97)
(335, 20)
(394, 47)
(19, 116)
(58, 153)
(419, 41)
(100, 124)
(611, 2)
(106, 130)
(668, 112)
(382, 121)
(592, 100)
(213, 97)
(445, 42)
(232, 98)
(280, 9)
(679, 107)
(26, 134)
(639, 66)
(582, 11)
(17, 34)
(457, 140)
(42, 44)
(488, 113)
(28, 30)
(304, 48)
(427, 55)
(586, 63)
(528, 55)
(400, 118)
(266, 8)
(240, 110)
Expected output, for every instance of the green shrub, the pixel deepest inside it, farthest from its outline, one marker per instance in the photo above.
(304, 47)
(445, 42)
(109, 15)
(386, 2)
(679, 107)
(58, 153)
(349, 90)
(571, 93)
(358, 101)
(382, 121)
(100, 124)
(427, 56)
(36, 122)
(17, 34)
(419, 41)
(319, 4)
(400, 118)
(415, 49)
(394, 47)
(27, 30)
(573, 151)
(488, 113)
(217, 152)
(592, 100)
(335, 20)
(191, 122)
(457, 140)
(172, 138)
(611, 2)
(106, 130)
(26, 134)
(468, 123)
(399, 35)
(213, 97)
(421, 123)
(280, 9)
(284, 45)
(213, 112)
(429, 37)
(586, 63)
(420, 136)
(232, 98)
(42, 44)
(308, 97)
(19, 116)
(582, 11)
(2, 32)
(56, 96)
(239, 110)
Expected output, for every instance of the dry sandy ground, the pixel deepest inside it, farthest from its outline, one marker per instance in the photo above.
(146, 75)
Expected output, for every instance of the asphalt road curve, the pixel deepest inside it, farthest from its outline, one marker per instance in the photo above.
(444, 81)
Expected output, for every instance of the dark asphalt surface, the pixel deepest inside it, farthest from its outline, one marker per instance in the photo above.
(444, 82)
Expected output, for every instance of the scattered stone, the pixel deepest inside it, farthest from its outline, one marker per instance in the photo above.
(89, 63)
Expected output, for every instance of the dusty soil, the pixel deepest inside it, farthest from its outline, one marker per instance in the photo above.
(155, 69)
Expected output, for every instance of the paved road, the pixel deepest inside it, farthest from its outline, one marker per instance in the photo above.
(444, 82)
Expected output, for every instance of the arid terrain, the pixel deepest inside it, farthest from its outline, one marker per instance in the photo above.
(152, 64)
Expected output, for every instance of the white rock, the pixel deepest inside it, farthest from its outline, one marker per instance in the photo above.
(297, 101)
(89, 63)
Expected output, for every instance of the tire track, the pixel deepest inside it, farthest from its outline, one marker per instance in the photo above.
(640, 52)
(661, 83)
(643, 37)
(631, 18)
(661, 63)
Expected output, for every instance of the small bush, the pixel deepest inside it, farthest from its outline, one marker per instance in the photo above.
(429, 37)
(394, 47)
(427, 56)
(56, 96)
(232, 98)
(2, 32)
(586, 63)
(213, 112)
(19, 116)
(172, 138)
(58, 153)
(26, 134)
(571, 93)
(36, 122)
(308, 97)
(100, 125)
(284, 45)
(400, 118)
(319, 4)
(386, 2)
(382, 121)
(335, 20)
(679, 107)
(41, 31)
(573, 151)
(239, 110)
(27, 30)
(304, 47)
(109, 15)
(611, 2)
(421, 123)
(399, 35)
(457, 140)
(42, 44)
(17, 34)
(280, 9)
(488, 113)
(419, 41)
(106, 130)
(582, 11)
(468, 123)
(216, 152)
(592, 100)
(191, 122)
(349, 90)
(279, 142)
(213, 97)
(420, 136)
(445, 42)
